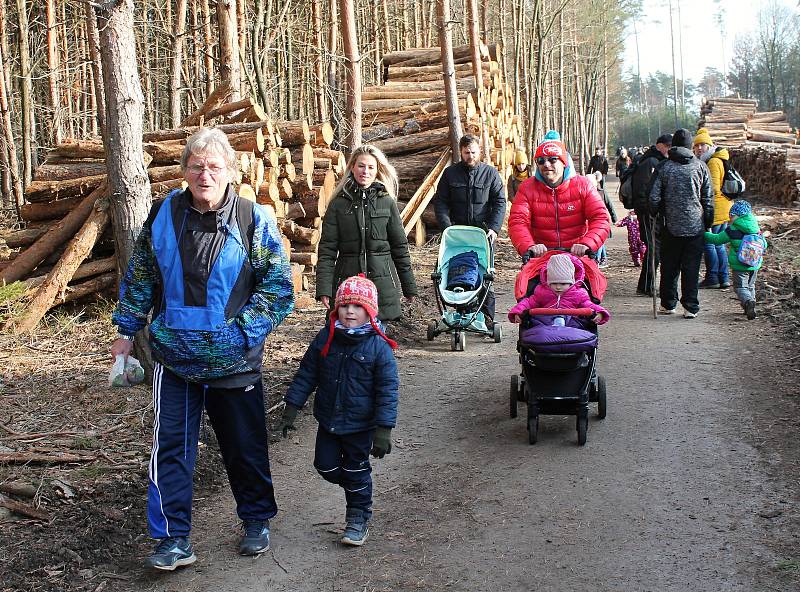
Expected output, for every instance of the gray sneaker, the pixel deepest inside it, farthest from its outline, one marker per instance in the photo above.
(356, 530)
(255, 539)
(171, 553)
(750, 309)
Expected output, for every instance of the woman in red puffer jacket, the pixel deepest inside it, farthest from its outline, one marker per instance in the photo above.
(557, 208)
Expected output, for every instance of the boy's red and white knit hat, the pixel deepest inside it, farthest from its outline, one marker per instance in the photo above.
(363, 292)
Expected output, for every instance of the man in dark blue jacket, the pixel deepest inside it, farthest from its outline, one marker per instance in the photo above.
(471, 193)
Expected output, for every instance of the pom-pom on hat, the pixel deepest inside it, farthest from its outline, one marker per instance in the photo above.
(702, 137)
(552, 146)
(358, 290)
(560, 269)
(741, 208)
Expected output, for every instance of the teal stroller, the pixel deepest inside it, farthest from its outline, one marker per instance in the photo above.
(460, 303)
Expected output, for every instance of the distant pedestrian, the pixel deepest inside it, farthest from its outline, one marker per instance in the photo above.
(351, 366)
(744, 266)
(641, 182)
(599, 164)
(521, 171)
(636, 246)
(623, 162)
(681, 195)
(714, 254)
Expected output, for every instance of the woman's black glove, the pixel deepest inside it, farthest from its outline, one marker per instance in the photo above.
(527, 256)
(381, 442)
(287, 419)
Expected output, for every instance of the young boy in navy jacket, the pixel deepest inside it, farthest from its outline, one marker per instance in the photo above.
(351, 365)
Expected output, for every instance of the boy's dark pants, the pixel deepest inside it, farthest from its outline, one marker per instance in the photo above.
(237, 416)
(647, 232)
(680, 255)
(344, 460)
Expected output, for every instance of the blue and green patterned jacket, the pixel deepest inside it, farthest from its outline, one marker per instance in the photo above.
(262, 295)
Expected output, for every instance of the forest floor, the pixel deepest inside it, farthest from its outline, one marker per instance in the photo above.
(690, 483)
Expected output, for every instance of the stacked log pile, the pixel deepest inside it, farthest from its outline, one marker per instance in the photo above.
(772, 171)
(732, 121)
(286, 166)
(761, 143)
(406, 117)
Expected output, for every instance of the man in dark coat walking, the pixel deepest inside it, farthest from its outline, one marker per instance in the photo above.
(471, 193)
(683, 196)
(640, 188)
(598, 162)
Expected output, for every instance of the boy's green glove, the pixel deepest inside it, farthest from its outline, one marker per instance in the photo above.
(287, 419)
(381, 442)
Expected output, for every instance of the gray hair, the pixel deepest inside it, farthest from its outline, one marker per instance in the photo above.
(210, 140)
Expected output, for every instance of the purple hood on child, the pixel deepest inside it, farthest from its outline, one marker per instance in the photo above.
(575, 297)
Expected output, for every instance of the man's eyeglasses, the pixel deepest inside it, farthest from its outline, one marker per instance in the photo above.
(197, 169)
(540, 160)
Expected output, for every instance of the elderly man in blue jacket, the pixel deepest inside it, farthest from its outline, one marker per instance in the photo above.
(211, 269)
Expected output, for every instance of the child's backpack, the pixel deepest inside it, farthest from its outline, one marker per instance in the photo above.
(463, 272)
(751, 249)
(733, 184)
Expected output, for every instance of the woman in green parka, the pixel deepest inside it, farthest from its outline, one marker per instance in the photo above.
(362, 233)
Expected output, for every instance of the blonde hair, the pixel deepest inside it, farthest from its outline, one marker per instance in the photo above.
(387, 174)
(210, 141)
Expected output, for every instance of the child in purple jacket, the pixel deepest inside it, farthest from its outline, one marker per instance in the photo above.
(636, 246)
(560, 287)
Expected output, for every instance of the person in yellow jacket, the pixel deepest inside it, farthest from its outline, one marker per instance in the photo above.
(715, 256)
(520, 172)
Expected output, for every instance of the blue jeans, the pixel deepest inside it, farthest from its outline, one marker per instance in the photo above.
(744, 284)
(716, 259)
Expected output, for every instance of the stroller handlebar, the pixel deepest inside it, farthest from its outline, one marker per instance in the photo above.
(588, 253)
(573, 312)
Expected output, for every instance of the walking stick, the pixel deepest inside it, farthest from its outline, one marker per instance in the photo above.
(651, 254)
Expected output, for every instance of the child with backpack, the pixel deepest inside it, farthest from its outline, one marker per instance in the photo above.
(636, 246)
(746, 254)
(351, 365)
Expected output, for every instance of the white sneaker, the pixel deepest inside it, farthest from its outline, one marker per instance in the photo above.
(665, 310)
(689, 315)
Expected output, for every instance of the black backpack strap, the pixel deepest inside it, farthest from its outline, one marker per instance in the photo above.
(245, 219)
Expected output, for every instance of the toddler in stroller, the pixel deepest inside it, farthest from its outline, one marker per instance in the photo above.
(557, 345)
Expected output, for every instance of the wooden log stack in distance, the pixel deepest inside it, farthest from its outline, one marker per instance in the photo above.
(761, 146)
(406, 117)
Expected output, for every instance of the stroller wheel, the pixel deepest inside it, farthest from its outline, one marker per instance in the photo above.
(497, 333)
(583, 426)
(432, 330)
(533, 429)
(601, 397)
(514, 396)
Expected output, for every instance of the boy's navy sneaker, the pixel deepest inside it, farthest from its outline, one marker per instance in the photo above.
(256, 537)
(170, 553)
(356, 530)
(750, 309)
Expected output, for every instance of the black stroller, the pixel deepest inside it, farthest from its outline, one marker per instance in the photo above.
(558, 354)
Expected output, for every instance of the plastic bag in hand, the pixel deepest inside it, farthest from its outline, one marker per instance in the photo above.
(124, 373)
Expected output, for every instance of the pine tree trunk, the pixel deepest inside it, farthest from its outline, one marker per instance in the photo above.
(93, 38)
(8, 131)
(448, 74)
(353, 70)
(52, 73)
(127, 175)
(26, 97)
(177, 63)
(229, 63)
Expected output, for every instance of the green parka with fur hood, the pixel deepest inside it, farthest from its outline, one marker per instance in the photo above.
(362, 233)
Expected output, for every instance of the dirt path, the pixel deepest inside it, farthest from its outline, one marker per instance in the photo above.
(689, 484)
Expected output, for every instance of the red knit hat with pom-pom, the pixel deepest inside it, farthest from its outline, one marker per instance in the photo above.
(363, 292)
